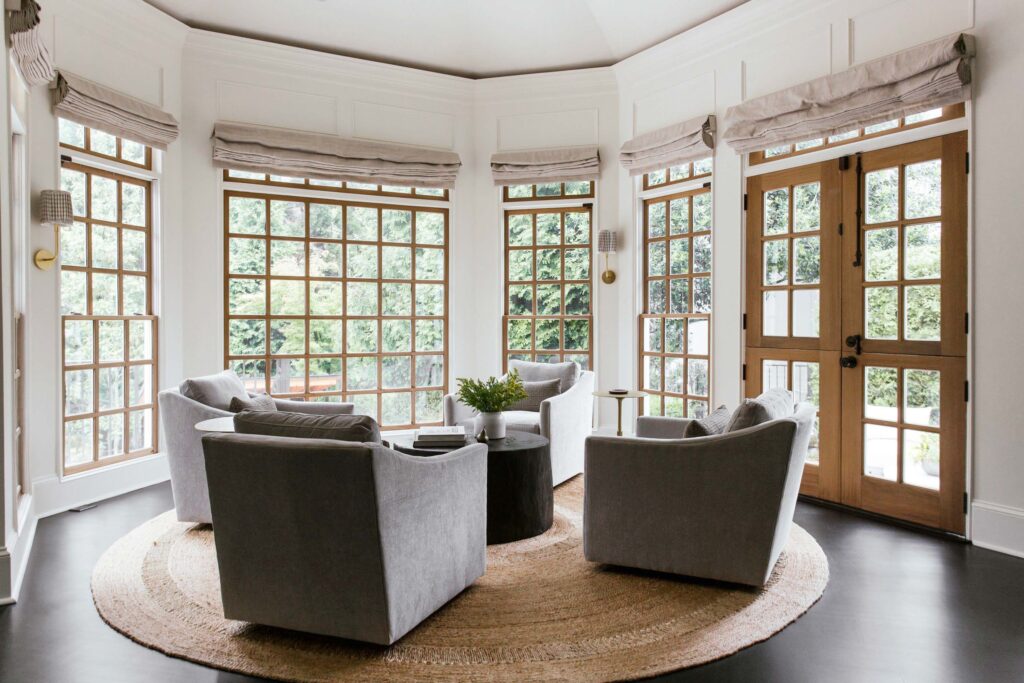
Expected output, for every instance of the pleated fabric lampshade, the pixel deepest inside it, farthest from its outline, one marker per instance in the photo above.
(607, 243)
(55, 207)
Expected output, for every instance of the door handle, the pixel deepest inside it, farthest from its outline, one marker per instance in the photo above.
(853, 341)
(848, 361)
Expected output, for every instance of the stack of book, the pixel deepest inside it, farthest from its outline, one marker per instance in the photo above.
(440, 437)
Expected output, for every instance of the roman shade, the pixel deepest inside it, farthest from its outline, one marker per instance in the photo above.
(27, 45)
(672, 145)
(249, 147)
(925, 77)
(111, 111)
(558, 165)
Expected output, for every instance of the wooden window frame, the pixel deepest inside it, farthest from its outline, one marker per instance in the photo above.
(690, 176)
(126, 362)
(344, 393)
(690, 276)
(307, 184)
(86, 150)
(950, 112)
(534, 197)
(561, 352)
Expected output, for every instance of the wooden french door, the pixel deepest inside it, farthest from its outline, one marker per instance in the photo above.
(856, 302)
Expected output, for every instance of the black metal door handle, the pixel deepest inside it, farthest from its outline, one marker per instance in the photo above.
(853, 341)
(848, 361)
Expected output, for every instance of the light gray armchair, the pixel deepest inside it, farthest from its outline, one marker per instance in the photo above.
(362, 542)
(716, 507)
(179, 414)
(566, 420)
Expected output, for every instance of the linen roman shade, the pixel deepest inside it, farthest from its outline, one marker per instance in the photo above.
(672, 145)
(98, 106)
(925, 77)
(27, 45)
(249, 147)
(559, 165)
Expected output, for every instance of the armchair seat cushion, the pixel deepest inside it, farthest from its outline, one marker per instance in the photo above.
(357, 428)
(215, 391)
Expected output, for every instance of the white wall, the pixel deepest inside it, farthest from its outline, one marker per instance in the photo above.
(759, 47)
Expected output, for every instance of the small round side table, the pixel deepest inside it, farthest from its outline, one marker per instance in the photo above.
(618, 397)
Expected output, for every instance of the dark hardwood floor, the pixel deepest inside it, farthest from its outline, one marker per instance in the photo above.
(900, 606)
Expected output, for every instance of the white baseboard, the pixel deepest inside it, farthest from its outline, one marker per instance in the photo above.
(23, 548)
(54, 495)
(997, 527)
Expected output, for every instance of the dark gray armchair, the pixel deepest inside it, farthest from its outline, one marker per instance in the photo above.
(340, 538)
(716, 507)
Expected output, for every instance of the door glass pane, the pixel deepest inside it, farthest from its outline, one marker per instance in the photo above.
(881, 254)
(776, 262)
(923, 189)
(775, 313)
(776, 211)
(882, 195)
(921, 397)
(807, 261)
(806, 381)
(880, 394)
(806, 313)
(923, 307)
(921, 458)
(923, 251)
(807, 207)
(774, 374)
(880, 448)
(881, 312)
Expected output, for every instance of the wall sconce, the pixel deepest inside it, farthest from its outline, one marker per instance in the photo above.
(54, 207)
(607, 243)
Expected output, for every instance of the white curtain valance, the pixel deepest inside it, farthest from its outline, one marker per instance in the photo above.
(563, 164)
(27, 45)
(98, 106)
(672, 145)
(925, 77)
(264, 149)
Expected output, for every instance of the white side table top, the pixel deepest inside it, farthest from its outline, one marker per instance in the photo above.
(629, 394)
(217, 424)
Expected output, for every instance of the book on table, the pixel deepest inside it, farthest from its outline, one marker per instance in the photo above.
(440, 437)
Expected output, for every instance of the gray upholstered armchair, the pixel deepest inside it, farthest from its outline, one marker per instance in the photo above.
(198, 399)
(565, 420)
(361, 542)
(716, 507)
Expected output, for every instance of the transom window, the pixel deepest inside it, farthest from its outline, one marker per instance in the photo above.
(97, 143)
(548, 286)
(925, 118)
(571, 190)
(108, 327)
(680, 173)
(236, 176)
(337, 300)
(675, 351)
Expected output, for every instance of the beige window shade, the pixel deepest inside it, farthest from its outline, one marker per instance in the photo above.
(98, 106)
(27, 46)
(669, 146)
(925, 77)
(563, 164)
(249, 147)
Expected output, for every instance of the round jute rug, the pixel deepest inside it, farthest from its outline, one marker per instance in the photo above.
(540, 613)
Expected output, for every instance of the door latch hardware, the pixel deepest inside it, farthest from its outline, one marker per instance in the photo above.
(848, 361)
(853, 341)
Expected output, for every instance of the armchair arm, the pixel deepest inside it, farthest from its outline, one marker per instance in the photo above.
(314, 407)
(455, 411)
(567, 420)
(651, 427)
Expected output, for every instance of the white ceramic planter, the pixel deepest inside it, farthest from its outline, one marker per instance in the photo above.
(492, 423)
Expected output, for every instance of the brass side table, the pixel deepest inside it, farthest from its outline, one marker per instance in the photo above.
(618, 397)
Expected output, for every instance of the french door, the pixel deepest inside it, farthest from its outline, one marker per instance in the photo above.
(856, 302)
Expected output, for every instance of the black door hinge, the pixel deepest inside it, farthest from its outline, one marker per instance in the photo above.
(965, 502)
(65, 159)
(967, 162)
(840, 229)
(844, 163)
(744, 321)
(744, 201)
(744, 372)
(967, 391)
(967, 323)
(707, 184)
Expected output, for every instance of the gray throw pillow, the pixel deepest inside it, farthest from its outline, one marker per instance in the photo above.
(257, 402)
(529, 371)
(215, 391)
(361, 428)
(536, 393)
(771, 405)
(713, 424)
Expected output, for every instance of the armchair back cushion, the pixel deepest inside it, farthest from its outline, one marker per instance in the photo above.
(536, 393)
(715, 423)
(529, 371)
(258, 402)
(773, 404)
(356, 428)
(215, 391)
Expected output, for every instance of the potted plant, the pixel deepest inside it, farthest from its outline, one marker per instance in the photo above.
(490, 397)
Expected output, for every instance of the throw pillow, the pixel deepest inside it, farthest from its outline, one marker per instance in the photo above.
(360, 428)
(257, 402)
(713, 424)
(771, 405)
(529, 371)
(215, 391)
(536, 393)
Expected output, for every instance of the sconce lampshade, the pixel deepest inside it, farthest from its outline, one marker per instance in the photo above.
(55, 207)
(607, 242)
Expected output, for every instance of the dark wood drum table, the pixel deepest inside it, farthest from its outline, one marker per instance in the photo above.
(520, 499)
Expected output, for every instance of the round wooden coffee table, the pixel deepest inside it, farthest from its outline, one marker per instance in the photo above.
(520, 496)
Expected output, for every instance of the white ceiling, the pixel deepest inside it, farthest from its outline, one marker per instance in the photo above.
(475, 38)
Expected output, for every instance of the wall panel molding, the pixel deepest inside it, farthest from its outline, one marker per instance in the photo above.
(537, 130)
(268, 106)
(389, 123)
